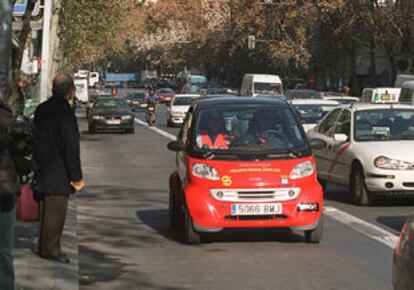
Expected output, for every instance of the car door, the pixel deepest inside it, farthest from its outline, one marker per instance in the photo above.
(324, 131)
(184, 136)
(340, 163)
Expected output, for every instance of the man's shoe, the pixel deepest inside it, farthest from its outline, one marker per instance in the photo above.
(61, 257)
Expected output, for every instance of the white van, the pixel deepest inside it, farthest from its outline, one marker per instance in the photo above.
(261, 84)
(82, 93)
(380, 95)
(401, 79)
(407, 93)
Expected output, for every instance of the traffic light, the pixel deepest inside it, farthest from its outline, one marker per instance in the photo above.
(251, 42)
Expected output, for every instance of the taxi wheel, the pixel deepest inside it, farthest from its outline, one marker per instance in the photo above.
(314, 236)
(190, 235)
(360, 192)
(323, 183)
(174, 213)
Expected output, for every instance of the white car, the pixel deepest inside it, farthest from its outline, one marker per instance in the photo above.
(311, 111)
(178, 108)
(342, 99)
(369, 148)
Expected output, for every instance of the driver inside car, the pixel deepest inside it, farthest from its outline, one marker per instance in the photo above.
(264, 129)
(213, 133)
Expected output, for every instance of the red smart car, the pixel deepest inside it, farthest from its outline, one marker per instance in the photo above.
(244, 163)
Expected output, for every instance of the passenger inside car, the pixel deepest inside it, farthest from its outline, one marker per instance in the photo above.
(213, 134)
(264, 129)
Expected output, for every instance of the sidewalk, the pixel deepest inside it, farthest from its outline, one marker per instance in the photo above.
(35, 273)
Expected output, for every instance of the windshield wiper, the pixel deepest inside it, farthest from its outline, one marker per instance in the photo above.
(293, 152)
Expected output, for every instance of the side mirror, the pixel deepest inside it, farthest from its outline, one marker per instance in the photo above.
(317, 144)
(176, 146)
(340, 138)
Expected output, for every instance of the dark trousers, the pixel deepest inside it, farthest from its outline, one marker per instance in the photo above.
(52, 221)
(7, 222)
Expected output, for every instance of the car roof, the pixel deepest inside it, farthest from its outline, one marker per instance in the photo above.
(340, 98)
(408, 85)
(206, 103)
(187, 96)
(314, 102)
(370, 106)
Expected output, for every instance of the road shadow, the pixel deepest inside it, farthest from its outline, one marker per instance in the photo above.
(343, 195)
(158, 220)
(394, 222)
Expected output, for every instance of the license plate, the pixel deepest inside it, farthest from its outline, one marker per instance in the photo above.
(256, 209)
(113, 122)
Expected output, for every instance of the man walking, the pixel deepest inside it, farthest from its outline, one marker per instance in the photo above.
(9, 189)
(57, 157)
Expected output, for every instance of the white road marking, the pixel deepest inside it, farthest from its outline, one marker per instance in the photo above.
(367, 229)
(157, 130)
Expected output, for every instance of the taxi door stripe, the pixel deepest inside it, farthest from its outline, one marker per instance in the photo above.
(337, 156)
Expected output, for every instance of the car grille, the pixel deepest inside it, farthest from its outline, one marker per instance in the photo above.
(255, 195)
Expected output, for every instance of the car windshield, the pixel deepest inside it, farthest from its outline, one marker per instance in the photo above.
(183, 101)
(165, 90)
(111, 104)
(386, 124)
(261, 130)
(312, 114)
(267, 88)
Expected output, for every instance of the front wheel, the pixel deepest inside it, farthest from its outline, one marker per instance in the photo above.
(314, 236)
(174, 213)
(361, 194)
(190, 235)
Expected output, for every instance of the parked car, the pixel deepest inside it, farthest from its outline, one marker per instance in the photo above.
(178, 108)
(303, 94)
(244, 163)
(109, 114)
(380, 95)
(312, 111)
(342, 99)
(135, 100)
(403, 278)
(369, 149)
(165, 95)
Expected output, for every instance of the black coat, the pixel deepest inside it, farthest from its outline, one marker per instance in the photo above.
(57, 152)
(9, 181)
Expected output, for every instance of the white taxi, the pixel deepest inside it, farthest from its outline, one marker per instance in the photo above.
(369, 148)
(311, 111)
(177, 109)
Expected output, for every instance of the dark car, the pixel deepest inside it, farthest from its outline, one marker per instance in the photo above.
(135, 100)
(403, 272)
(165, 95)
(217, 91)
(303, 94)
(111, 114)
(93, 98)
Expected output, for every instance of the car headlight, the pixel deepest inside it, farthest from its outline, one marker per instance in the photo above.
(98, 117)
(383, 162)
(205, 171)
(302, 170)
(126, 117)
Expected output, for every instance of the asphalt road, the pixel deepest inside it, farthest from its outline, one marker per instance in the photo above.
(125, 241)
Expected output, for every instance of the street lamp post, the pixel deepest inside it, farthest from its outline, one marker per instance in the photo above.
(5, 44)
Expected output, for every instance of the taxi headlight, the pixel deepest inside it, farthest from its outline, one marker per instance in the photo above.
(205, 171)
(383, 162)
(302, 170)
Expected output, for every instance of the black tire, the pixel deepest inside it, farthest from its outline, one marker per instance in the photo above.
(314, 236)
(174, 213)
(360, 193)
(169, 123)
(190, 235)
(324, 184)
